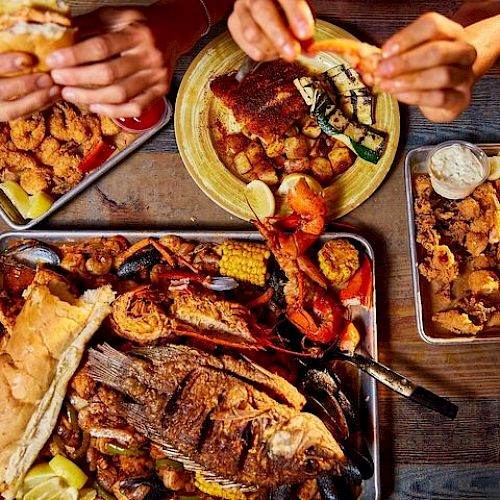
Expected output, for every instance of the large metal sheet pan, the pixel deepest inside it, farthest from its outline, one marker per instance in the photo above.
(363, 388)
(16, 221)
(415, 163)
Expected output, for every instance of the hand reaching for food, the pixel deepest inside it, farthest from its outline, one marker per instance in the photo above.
(23, 95)
(430, 64)
(268, 29)
(118, 73)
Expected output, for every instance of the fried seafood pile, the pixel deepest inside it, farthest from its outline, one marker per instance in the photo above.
(278, 135)
(53, 150)
(460, 255)
(163, 403)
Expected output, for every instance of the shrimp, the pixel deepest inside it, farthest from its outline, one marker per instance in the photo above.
(34, 180)
(28, 133)
(13, 163)
(108, 126)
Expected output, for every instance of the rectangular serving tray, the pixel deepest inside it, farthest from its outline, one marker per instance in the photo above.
(16, 221)
(363, 387)
(415, 163)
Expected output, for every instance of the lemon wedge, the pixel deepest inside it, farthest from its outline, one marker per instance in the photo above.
(290, 180)
(50, 488)
(87, 494)
(17, 195)
(261, 199)
(37, 474)
(66, 469)
(39, 203)
(494, 168)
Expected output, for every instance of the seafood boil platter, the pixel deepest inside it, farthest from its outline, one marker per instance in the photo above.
(136, 252)
(450, 273)
(315, 117)
(48, 159)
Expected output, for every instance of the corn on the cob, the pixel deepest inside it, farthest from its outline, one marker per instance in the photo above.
(244, 261)
(338, 260)
(217, 490)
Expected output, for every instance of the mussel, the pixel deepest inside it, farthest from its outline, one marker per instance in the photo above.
(141, 261)
(33, 253)
(142, 488)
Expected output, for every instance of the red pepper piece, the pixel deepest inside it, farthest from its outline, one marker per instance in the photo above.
(96, 157)
(349, 338)
(359, 286)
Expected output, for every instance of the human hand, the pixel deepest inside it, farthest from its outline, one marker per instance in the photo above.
(264, 33)
(429, 64)
(119, 73)
(23, 95)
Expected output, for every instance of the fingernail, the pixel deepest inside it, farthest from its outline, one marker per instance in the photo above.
(43, 82)
(54, 91)
(390, 50)
(57, 76)
(55, 59)
(69, 94)
(385, 68)
(22, 62)
(302, 30)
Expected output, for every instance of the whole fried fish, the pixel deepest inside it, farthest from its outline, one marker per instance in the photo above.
(229, 416)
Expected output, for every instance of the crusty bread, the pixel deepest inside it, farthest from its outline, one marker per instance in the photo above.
(37, 39)
(8, 6)
(40, 357)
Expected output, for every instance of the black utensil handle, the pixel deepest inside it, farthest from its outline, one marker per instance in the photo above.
(401, 384)
(434, 402)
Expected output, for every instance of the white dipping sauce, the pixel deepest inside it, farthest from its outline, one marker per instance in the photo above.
(455, 171)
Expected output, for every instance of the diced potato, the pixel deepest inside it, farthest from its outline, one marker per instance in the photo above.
(292, 131)
(275, 149)
(265, 172)
(341, 159)
(236, 143)
(241, 163)
(295, 147)
(322, 170)
(296, 165)
(254, 152)
(311, 128)
(320, 147)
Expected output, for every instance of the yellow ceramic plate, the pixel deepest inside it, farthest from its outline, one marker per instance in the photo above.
(197, 106)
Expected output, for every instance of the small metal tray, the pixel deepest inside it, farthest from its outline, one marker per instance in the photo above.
(362, 388)
(415, 163)
(15, 220)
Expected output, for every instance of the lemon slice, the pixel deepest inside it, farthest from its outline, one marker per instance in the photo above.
(50, 488)
(494, 168)
(39, 203)
(17, 195)
(65, 468)
(261, 199)
(290, 180)
(69, 494)
(37, 474)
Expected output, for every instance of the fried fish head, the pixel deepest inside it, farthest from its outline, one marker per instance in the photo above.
(302, 448)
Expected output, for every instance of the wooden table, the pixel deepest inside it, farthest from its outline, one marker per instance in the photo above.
(422, 455)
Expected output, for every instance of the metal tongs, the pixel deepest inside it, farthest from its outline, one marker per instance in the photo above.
(247, 66)
(396, 382)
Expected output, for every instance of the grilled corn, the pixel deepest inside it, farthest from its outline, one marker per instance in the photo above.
(216, 490)
(338, 260)
(244, 261)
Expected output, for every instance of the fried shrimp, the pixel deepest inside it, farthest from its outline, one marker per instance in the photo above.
(13, 163)
(108, 126)
(64, 122)
(34, 180)
(28, 133)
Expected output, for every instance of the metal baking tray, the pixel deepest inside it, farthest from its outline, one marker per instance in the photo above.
(415, 163)
(15, 220)
(362, 388)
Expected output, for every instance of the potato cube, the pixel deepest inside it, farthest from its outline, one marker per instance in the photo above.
(254, 152)
(276, 148)
(311, 128)
(236, 143)
(265, 171)
(341, 159)
(296, 147)
(296, 165)
(322, 170)
(241, 163)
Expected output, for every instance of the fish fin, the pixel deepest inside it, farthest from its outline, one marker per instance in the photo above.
(109, 366)
(168, 353)
(137, 416)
